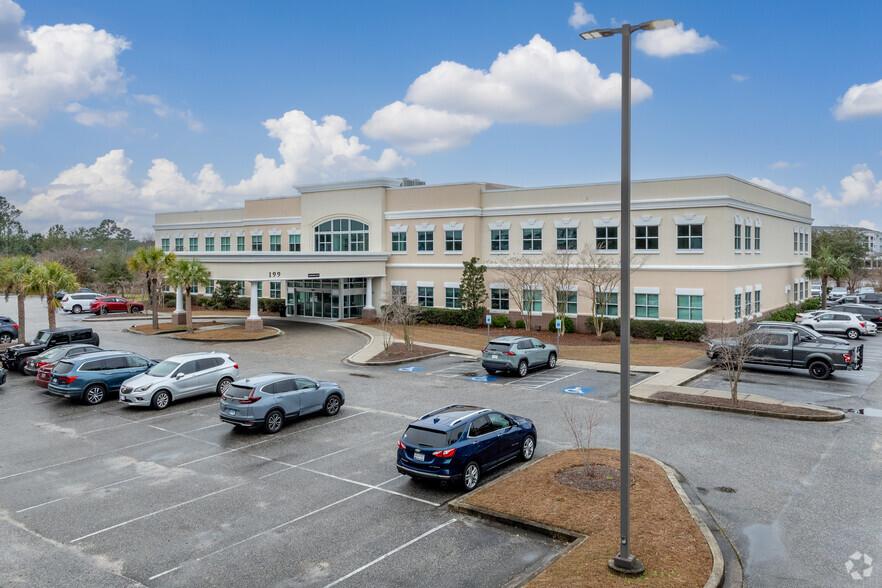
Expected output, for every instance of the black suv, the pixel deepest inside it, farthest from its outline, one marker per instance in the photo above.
(8, 330)
(870, 313)
(15, 357)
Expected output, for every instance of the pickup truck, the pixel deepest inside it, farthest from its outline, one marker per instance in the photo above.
(789, 349)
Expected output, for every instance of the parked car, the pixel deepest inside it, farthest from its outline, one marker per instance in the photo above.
(873, 298)
(14, 358)
(837, 323)
(786, 348)
(517, 354)
(8, 330)
(179, 377)
(837, 293)
(797, 328)
(865, 290)
(55, 354)
(866, 311)
(268, 400)
(801, 316)
(816, 290)
(60, 294)
(75, 303)
(462, 443)
(107, 304)
(91, 377)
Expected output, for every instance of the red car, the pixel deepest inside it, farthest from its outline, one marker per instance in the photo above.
(43, 377)
(114, 304)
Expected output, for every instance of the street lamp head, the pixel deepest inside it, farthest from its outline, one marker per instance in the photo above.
(597, 33)
(655, 25)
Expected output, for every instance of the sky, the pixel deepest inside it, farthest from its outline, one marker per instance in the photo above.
(122, 110)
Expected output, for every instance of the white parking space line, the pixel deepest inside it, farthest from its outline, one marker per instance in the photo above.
(78, 494)
(388, 553)
(541, 379)
(371, 486)
(137, 422)
(453, 371)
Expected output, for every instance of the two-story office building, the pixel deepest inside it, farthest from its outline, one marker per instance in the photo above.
(712, 248)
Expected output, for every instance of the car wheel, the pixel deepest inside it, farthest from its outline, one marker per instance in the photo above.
(223, 385)
(489, 371)
(819, 370)
(5, 338)
(528, 448)
(332, 405)
(77, 309)
(94, 394)
(21, 365)
(552, 360)
(136, 309)
(852, 333)
(103, 310)
(274, 421)
(161, 400)
(522, 368)
(471, 475)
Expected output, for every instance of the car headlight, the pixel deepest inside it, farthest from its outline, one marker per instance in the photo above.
(141, 389)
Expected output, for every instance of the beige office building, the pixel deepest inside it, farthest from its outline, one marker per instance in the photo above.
(711, 248)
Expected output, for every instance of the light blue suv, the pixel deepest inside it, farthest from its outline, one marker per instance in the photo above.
(93, 376)
(268, 399)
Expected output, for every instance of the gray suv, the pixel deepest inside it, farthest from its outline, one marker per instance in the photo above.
(178, 377)
(517, 354)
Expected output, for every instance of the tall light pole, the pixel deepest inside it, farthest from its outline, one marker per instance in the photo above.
(625, 561)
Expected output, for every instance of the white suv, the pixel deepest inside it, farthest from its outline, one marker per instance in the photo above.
(179, 377)
(836, 323)
(79, 301)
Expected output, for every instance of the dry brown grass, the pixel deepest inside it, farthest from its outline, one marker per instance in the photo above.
(663, 535)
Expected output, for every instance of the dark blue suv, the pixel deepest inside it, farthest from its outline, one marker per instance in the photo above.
(460, 443)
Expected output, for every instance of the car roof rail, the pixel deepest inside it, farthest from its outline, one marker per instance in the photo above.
(437, 410)
(471, 414)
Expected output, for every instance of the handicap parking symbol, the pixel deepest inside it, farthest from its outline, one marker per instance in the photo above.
(410, 368)
(577, 390)
(484, 378)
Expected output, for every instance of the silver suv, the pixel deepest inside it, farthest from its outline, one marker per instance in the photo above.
(180, 376)
(517, 354)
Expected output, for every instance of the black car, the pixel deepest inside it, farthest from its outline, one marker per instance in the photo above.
(870, 313)
(8, 330)
(15, 357)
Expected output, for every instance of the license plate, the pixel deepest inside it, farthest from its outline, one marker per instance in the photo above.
(55, 380)
(494, 357)
(419, 457)
(231, 411)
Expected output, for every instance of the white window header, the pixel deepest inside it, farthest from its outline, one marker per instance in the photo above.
(209, 234)
(425, 227)
(397, 283)
(274, 232)
(647, 221)
(567, 223)
(451, 284)
(426, 284)
(689, 291)
(532, 224)
(689, 219)
(398, 228)
(256, 233)
(499, 226)
(293, 231)
(224, 233)
(606, 221)
(645, 290)
(739, 290)
(453, 226)
(499, 286)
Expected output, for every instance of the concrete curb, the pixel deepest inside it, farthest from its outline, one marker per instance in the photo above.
(833, 416)
(575, 539)
(278, 332)
(400, 361)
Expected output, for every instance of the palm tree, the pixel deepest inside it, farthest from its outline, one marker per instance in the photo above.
(46, 279)
(825, 265)
(184, 273)
(13, 271)
(154, 262)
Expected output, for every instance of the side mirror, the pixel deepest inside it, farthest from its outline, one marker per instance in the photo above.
(179, 375)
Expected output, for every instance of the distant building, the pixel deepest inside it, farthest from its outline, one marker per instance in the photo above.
(872, 238)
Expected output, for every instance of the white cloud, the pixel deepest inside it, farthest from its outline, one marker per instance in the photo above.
(784, 165)
(162, 110)
(860, 187)
(859, 101)
(865, 224)
(673, 41)
(534, 84)
(90, 117)
(767, 183)
(579, 17)
(740, 77)
(57, 65)
(11, 180)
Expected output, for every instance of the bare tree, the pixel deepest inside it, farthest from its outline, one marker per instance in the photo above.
(600, 271)
(581, 427)
(523, 274)
(404, 315)
(732, 345)
(558, 281)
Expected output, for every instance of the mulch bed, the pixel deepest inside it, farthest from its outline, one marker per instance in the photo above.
(398, 352)
(663, 535)
(169, 328)
(593, 478)
(233, 333)
(712, 401)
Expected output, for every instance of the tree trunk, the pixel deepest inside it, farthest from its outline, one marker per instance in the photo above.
(22, 338)
(188, 310)
(151, 293)
(49, 299)
(824, 292)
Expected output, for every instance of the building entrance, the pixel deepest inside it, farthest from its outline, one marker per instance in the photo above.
(322, 299)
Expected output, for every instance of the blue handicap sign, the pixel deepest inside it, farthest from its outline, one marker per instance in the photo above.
(484, 378)
(410, 368)
(577, 390)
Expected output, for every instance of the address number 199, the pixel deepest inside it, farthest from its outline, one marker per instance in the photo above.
(275, 274)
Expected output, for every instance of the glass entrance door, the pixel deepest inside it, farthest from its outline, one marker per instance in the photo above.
(317, 304)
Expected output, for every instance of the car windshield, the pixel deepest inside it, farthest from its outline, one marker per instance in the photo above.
(42, 337)
(235, 391)
(163, 368)
(52, 353)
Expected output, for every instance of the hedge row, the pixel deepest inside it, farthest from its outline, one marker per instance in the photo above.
(788, 314)
(238, 303)
(449, 316)
(650, 329)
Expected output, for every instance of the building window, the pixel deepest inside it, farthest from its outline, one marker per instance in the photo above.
(747, 303)
(566, 238)
(209, 289)
(453, 241)
(256, 243)
(606, 238)
(165, 245)
(194, 288)
(426, 241)
(532, 300)
(795, 242)
(566, 302)
(737, 306)
(747, 237)
(756, 302)
(240, 286)
(240, 243)
(194, 243)
(646, 306)
(225, 243)
(399, 241)
(606, 303)
(260, 289)
(737, 237)
(209, 243)
(275, 242)
(795, 292)
(293, 242)
(425, 296)
(689, 307)
(756, 239)
(499, 299)
(399, 294)
(451, 298)
(179, 244)
(499, 240)
(532, 239)
(646, 238)
(689, 237)
(342, 234)
(275, 289)
(353, 305)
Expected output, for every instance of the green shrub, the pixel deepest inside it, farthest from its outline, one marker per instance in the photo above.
(273, 305)
(500, 321)
(520, 324)
(810, 304)
(168, 298)
(671, 330)
(568, 325)
(787, 314)
(451, 316)
(242, 303)
(609, 324)
(688, 331)
(608, 336)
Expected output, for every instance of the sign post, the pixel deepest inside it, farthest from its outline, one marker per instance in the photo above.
(487, 320)
(557, 325)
